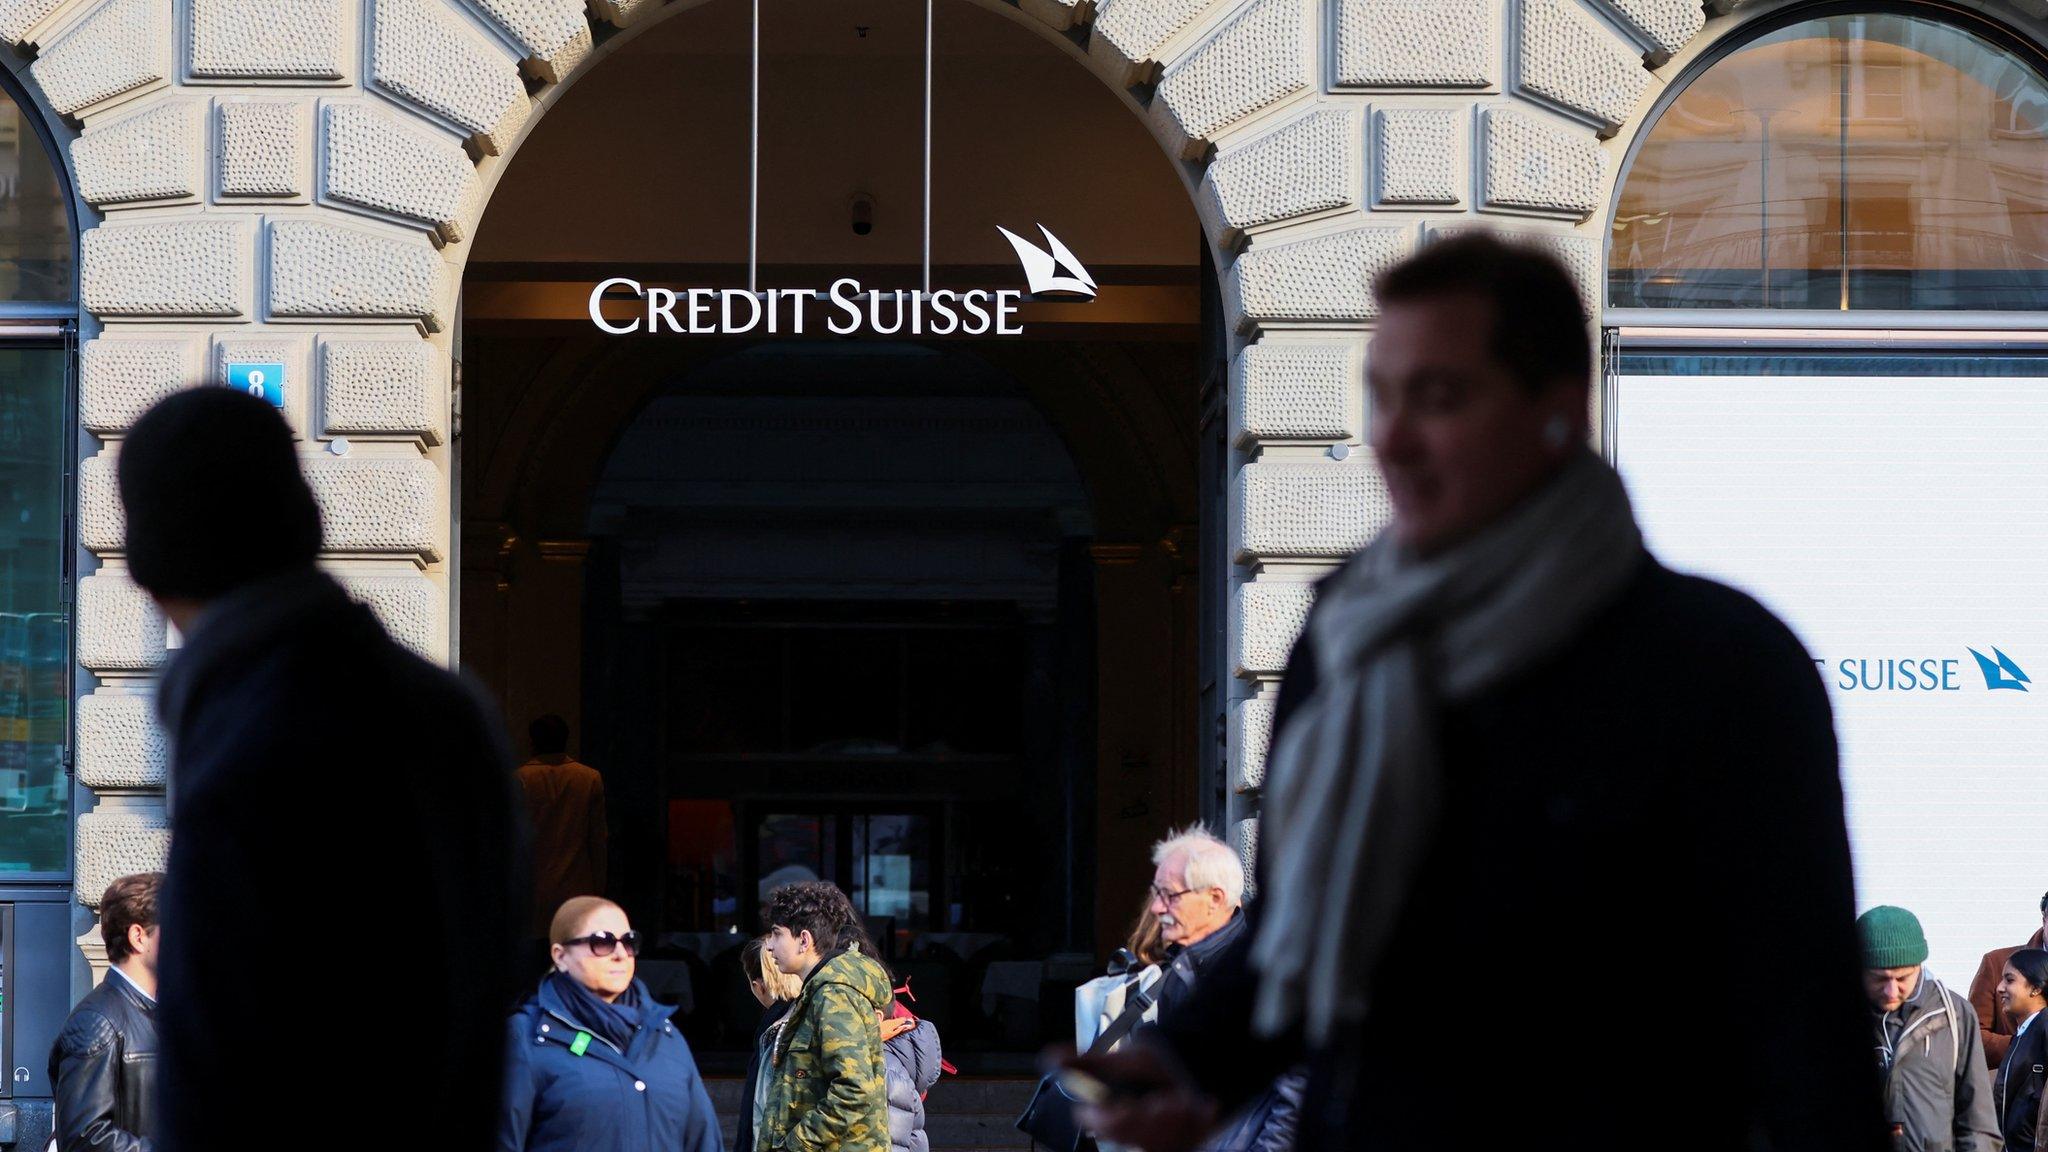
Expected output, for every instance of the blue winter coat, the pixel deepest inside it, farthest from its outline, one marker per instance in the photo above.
(648, 1098)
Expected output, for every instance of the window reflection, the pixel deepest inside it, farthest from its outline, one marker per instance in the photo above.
(34, 641)
(35, 228)
(1850, 162)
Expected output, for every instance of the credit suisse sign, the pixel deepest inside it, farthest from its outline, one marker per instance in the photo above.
(846, 308)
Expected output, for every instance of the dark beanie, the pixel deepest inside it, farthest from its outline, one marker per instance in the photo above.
(214, 497)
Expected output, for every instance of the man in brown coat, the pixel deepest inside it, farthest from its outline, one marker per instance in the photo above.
(1991, 1023)
(565, 809)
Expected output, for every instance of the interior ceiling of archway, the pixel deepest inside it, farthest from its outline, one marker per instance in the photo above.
(645, 159)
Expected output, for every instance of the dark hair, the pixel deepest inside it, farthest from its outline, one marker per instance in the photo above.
(750, 957)
(131, 900)
(2032, 965)
(549, 735)
(214, 498)
(813, 906)
(2044, 904)
(1540, 331)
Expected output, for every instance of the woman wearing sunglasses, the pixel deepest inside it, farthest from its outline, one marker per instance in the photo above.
(595, 1064)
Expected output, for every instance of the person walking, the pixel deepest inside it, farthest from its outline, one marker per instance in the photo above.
(826, 1087)
(912, 1061)
(774, 990)
(1506, 725)
(2022, 1073)
(593, 1062)
(565, 809)
(284, 684)
(1937, 1095)
(104, 1063)
(1993, 1027)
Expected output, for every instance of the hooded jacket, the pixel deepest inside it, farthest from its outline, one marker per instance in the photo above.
(828, 1091)
(1937, 1094)
(912, 1064)
(567, 1090)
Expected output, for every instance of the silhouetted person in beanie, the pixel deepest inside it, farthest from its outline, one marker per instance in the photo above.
(341, 914)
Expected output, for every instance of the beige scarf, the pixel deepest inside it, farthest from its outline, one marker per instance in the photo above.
(1354, 788)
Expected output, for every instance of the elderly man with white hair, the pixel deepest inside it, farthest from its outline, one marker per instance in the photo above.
(1198, 895)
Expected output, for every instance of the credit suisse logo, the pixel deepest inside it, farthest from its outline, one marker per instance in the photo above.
(2001, 673)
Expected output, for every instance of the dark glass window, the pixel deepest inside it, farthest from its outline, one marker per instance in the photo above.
(35, 657)
(1878, 161)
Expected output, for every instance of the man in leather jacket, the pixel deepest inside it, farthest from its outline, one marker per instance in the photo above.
(104, 1061)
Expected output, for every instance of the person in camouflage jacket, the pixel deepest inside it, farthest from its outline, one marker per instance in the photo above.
(825, 1086)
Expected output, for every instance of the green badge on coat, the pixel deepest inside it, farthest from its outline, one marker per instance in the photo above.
(581, 1045)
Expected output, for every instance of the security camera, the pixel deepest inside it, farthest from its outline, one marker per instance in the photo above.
(863, 214)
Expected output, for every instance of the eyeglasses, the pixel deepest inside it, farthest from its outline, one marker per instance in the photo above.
(602, 943)
(1167, 898)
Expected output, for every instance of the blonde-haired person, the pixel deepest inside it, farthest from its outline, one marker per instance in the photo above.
(774, 989)
(594, 1065)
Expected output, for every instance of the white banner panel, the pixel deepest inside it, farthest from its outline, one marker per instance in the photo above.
(1900, 526)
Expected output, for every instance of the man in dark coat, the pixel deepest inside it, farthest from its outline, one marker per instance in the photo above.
(342, 907)
(104, 1062)
(1518, 758)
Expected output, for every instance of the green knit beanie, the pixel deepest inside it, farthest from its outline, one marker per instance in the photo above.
(1891, 938)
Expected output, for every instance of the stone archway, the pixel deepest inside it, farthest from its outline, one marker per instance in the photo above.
(296, 181)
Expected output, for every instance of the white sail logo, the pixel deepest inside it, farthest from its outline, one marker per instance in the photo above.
(1052, 270)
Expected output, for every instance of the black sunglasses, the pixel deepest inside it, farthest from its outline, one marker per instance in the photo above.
(602, 943)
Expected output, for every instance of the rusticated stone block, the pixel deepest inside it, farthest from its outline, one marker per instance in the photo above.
(113, 843)
(379, 504)
(119, 627)
(427, 55)
(122, 47)
(554, 33)
(1419, 157)
(1308, 165)
(1256, 60)
(1566, 58)
(102, 528)
(19, 17)
(1579, 254)
(1059, 15)
(1296, 390)
(1418, 44)
(1246, 834)
(1307, 510)
(1270, 616)
(199, 267)
(1326, 278)
(120, 378)
(622, 13)
(383, 387)
(1665, 25)
(265, 149)
(155, 154)
(1249, 737)
(374, 160)
(1530, 165)
(270, 40)
(323, 270)
(413, 609)
(1129, 34)
(119, 742)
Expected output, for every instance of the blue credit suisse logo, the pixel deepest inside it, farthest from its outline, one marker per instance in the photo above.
(1924, 674)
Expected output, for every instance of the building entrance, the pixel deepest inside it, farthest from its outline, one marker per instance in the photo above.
(915, 616)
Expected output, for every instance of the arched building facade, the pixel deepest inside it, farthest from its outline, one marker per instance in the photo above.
(300, 183)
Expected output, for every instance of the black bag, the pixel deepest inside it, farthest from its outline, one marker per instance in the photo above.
(1049, 1118)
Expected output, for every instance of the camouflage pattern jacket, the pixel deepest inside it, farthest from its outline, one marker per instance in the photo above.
(829, 1091)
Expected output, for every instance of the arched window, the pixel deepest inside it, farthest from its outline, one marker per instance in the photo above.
(1858, 161)
(37, 333)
